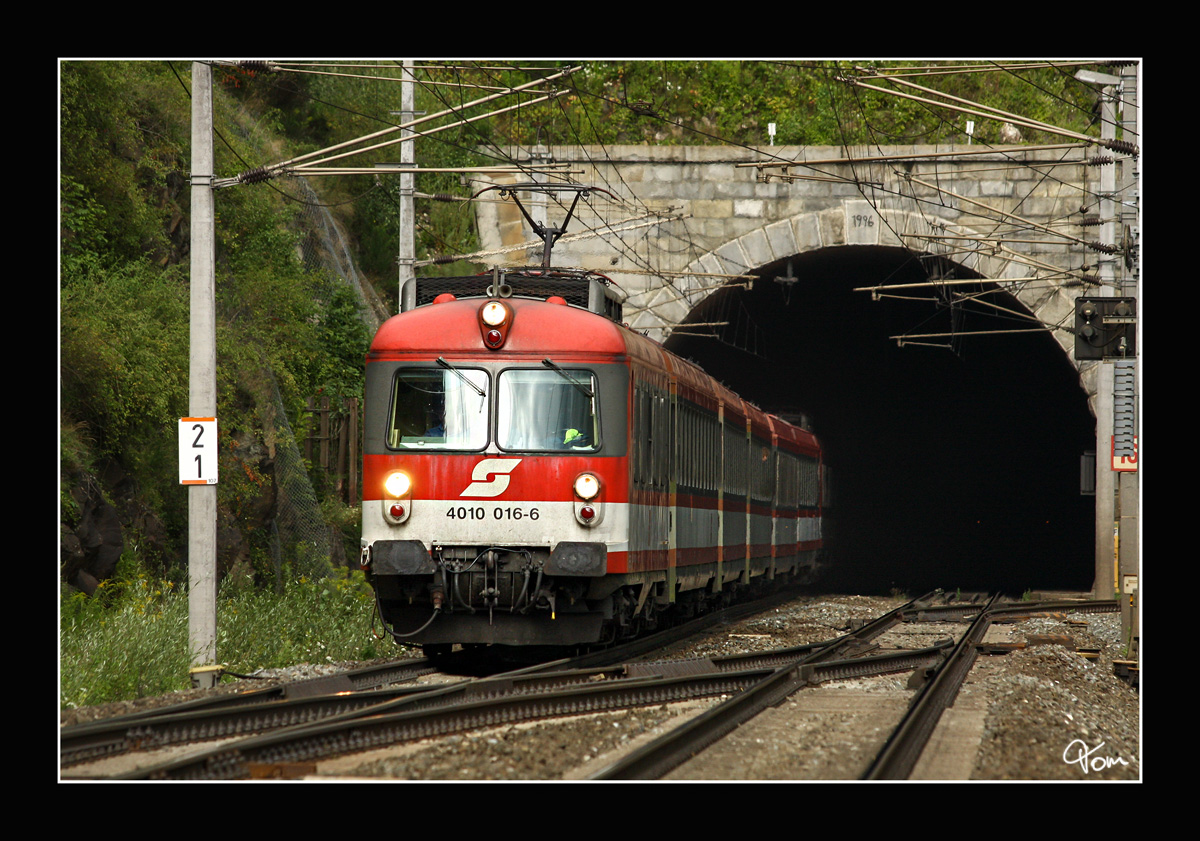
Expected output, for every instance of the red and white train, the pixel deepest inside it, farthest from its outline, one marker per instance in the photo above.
(535, 473)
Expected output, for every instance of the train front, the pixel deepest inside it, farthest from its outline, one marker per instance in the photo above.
(495, 478)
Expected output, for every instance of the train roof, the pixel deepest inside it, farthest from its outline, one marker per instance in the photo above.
(452, 326)
(583, 288)
(540, 328)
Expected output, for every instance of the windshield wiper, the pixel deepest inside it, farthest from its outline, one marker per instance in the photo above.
(587, 392)
(461, 376)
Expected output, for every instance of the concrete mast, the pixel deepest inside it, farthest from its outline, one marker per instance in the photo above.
(407, 251)
(202, 389)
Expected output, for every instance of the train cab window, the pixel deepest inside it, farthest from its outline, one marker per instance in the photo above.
(439, 409)
(551, 410)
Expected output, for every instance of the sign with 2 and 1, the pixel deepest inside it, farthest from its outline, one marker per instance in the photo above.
(197, 451)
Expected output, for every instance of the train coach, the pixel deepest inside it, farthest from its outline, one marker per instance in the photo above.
(535, 473)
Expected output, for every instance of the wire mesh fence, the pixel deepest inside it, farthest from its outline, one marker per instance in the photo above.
(301, 539)
(302, 542)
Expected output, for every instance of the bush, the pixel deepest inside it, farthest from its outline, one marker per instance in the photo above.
(128, 642)
(131, 641)
(124, 347)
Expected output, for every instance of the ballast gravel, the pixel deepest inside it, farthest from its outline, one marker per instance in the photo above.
(1051, 714)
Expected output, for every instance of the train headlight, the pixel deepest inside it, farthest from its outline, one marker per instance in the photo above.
(493, 314)
(587, 486)
(397, 484)
(495, 320)
(397, 497)
(589, 510)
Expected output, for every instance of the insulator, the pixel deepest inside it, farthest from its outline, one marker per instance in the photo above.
(1103, 247)
(1120, 146)
(447, 259)
(255, 176)
(1100, 160)
(445, 197)
(1089, 221)
(257, 66)
(1121, 62)
(1087, 280)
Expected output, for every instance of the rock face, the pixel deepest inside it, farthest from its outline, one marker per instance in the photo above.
(106, 509)
(1010, 134)
(89, 554)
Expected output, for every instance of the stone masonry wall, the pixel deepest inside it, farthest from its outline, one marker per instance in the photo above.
(681, 219)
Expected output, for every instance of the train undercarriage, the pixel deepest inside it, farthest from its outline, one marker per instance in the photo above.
(522, 596)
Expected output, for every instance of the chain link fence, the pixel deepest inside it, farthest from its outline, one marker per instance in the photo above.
(300, 537)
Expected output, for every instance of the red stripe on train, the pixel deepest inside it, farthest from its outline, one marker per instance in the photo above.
(500, 477)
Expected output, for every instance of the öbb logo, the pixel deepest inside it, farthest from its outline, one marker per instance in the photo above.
(496, 468)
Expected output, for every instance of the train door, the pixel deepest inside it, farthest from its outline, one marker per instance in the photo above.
(673, 457)
(719, 479)
(651, 457)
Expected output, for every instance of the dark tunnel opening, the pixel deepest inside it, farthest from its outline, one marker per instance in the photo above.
(955, 466)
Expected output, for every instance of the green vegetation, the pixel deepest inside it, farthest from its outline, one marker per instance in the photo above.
(731, 102)
(284, 326)
(130, 640)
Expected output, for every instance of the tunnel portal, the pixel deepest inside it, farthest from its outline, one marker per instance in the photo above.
(955, 465)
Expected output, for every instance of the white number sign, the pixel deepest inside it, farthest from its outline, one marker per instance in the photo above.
(197, 451)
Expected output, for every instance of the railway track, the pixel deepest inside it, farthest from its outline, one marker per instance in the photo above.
(286, 732)
(886, 743)
(316, 699)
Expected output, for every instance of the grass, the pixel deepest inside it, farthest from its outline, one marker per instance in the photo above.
(130, 640)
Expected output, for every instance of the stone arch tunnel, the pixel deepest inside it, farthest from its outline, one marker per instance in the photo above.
(955, 465)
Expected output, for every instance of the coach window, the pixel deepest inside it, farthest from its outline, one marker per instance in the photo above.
(439, 409)
(547, 410)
